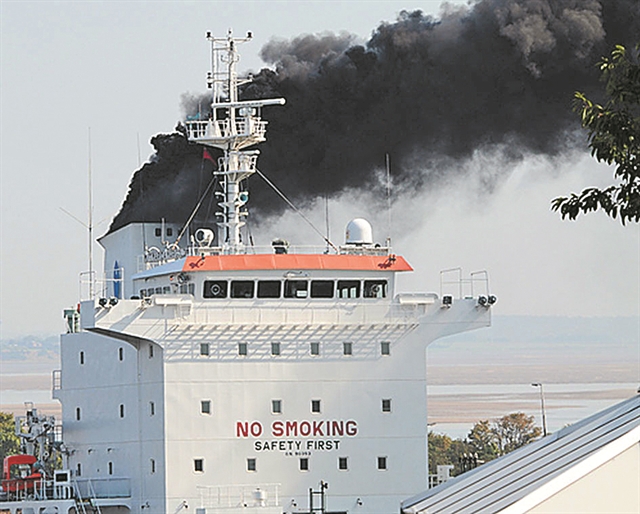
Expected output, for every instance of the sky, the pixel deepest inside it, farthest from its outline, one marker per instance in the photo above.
(85, 85)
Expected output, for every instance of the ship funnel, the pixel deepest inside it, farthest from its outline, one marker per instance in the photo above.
(359, 232)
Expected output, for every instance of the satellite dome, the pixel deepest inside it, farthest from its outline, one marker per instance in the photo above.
(359, 232)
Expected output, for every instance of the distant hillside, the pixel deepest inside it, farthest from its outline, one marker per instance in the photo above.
(30, 348)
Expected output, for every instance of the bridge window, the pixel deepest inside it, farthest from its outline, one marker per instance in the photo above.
(215, 289)
(242, 288)
(347, 348)
(314, 348)
(348, 289)
(204, 349)
(242, 348)
(375, 289)
(269, 288)
(275, 348)
(322, 289)
(296, 288)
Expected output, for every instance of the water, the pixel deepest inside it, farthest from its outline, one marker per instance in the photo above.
(453, 409)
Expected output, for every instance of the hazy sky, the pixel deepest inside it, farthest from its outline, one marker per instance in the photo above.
(120, 69)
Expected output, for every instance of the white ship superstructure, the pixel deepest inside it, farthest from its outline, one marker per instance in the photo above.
(213, 377)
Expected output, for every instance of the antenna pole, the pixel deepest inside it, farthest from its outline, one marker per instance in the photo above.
(388, 203)
(90, 223)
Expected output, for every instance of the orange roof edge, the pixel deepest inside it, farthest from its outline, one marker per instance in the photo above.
(296, 262)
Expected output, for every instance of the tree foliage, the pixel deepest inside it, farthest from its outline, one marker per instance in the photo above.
(614, 138)
(9, 442)
(486, 441)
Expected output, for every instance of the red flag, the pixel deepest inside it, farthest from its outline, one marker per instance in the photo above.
(207, 156)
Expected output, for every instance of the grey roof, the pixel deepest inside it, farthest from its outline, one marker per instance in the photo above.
(512, 478)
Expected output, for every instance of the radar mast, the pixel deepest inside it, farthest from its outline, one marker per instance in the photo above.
(232, 127)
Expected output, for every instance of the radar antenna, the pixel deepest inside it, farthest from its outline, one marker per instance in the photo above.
(232, 126)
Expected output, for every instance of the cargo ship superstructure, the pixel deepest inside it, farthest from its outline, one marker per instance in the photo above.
(206, 374)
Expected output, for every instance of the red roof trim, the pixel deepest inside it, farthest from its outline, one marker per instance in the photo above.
(296, 262)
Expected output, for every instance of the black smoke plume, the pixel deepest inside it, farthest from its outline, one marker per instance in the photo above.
(499, 74)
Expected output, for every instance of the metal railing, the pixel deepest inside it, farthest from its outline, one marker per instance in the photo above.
(452, 283)
(103, 487)
(256, 495)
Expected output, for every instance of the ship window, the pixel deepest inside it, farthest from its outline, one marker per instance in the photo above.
(78, 414)
(348, 289)
(382, 463)
(296, 288)
(81, 357)
(343, 463)
(205, 407)
(375, 289)
(158, 232)
(304, 464)
(242, 288)
(347, 348)
(111, 468)
(269, 288)
(385, 348)
(166, 290)
(215, 289)
(251, 464)
(386, 405)
(158, 290)
(315, 406)
(79, 470)
(169, 231)
(191, 288)
(276, 406)
(152, 409)
(322, 289)
(242, 348)
(183, 288)
(143, 293)
(153, 466)
(122, 410)
(204, 349)
(151, 351)
(314, 348)
(275, 348)
(198, 465)
(121, 353)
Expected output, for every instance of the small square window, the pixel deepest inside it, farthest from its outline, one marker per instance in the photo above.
(382, 463)
(386, 405)
(347, 348)
(304, 464)
(276, 406)
(204, 349)
(385, 348)
(242, 348)
(205, 407)
(251, 464)
(314, 348)
(198, 465)
(275, 348)
(315, 406)
(158, 232)
(169, 231)
(343, 463)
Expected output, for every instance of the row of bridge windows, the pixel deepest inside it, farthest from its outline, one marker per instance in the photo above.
(314, 348)
(303, 464)
(294, 289)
